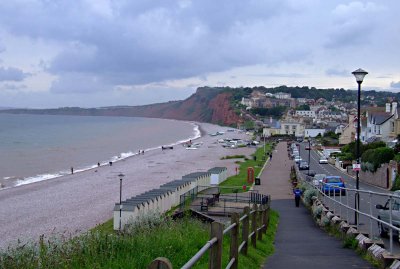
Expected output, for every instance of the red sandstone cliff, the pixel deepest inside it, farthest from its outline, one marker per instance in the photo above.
(206, 105)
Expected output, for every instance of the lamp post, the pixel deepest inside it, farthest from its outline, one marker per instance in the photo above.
(120, 199)
(309, 153)
(359, 74)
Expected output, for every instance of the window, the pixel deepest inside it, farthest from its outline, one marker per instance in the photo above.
(392, 123)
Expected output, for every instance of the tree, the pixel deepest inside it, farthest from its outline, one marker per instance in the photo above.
(377, 156)
(303, 107)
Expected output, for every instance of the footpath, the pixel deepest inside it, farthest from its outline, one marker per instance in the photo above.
(299, 242)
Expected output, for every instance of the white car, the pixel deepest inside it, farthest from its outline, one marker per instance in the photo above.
(318, 179)
(323, 160)
(298, 159)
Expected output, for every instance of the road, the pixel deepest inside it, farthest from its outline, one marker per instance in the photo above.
(368, 202)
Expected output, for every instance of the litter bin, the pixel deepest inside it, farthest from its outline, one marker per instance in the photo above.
(255, 158)
(257, 181)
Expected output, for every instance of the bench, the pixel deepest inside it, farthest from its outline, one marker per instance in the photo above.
(210, 201)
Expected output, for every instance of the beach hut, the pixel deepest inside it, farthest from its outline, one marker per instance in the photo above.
(177, 187)
(201, 179)
(218, 175)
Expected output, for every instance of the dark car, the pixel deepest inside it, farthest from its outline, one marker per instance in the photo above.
(303, 165)
(311, 173)
(333, 184)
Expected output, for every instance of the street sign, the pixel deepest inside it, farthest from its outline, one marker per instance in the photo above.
(356, 166)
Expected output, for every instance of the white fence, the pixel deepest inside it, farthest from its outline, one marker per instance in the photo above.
(343, 203)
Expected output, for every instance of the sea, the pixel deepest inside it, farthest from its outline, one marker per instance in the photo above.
(41, 147)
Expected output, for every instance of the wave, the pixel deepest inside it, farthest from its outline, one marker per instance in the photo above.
(119, 157)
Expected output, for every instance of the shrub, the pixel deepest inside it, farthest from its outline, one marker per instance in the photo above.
(368, 167)
(317, 212)
(396, 184)
(308, 194)
(377, 156)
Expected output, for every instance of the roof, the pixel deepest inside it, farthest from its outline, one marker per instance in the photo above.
(196, 175)
(379, 118)
(217, 170)
(173, 184)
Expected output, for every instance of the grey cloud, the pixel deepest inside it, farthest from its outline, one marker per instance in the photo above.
(12, 87)
(12, 74)
(142, 42)
(395, 84)
(279, 75)
(337, 72)
(78, 82)
(353, 24)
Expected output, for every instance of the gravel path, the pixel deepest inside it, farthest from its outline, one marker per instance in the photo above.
(76, 203)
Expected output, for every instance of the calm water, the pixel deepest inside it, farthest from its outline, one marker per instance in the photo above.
(38, 147)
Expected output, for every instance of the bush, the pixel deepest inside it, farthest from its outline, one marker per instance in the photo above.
(396, 184)
(308, 194)
(377, 156)
(368, 167)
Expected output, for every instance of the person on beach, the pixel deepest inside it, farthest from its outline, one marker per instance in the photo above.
(110, 163)
(98, 164)
(297, 194)
(72, 170)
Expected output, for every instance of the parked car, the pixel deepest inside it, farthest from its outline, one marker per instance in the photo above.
(318, 178)
(303, 165)
(331, 184)
(323, 160)
(297, 159)
(311, 173)
(384, 214)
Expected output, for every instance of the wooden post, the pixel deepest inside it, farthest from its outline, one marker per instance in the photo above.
(254, 226)
(245, 230)
(215, 261)
(260, 216)
(234, 251)
(160, 263)
(268, 208)
(264, 219)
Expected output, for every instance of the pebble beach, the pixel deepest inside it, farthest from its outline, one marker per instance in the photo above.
(74, 203)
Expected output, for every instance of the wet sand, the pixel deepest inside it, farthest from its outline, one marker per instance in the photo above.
(75, 203)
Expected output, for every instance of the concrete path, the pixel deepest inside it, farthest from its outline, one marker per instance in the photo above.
(299, 242)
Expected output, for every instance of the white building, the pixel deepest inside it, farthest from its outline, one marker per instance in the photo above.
(381, 125)
(282, 95)
(247, 102)
(292, 128)
(306, 113)
(313, 132)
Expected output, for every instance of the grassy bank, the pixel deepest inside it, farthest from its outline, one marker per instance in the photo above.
(241, 178)
(136, 248)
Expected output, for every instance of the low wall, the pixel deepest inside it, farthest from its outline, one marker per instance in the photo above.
(383, 177)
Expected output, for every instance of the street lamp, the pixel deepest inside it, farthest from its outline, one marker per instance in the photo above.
(359, 74)
(120, 199)
(309, 152)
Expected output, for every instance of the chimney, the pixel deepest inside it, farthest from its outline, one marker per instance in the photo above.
(387, 107)
(394, 107)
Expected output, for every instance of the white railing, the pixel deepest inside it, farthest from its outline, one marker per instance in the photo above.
(341, 201)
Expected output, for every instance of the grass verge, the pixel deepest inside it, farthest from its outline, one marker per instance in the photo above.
(141, 243)
(241, 179)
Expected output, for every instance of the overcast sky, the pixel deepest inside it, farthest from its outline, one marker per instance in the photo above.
(94, 53)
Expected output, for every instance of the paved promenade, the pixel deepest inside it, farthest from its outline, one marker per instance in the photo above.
(299, 242)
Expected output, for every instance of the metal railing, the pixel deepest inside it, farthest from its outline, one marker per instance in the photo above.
(254, 224)
(339, 197)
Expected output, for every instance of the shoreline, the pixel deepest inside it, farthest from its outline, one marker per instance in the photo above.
(75, 203)
(9, 182)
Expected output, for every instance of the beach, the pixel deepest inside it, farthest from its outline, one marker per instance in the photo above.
(72, 204)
